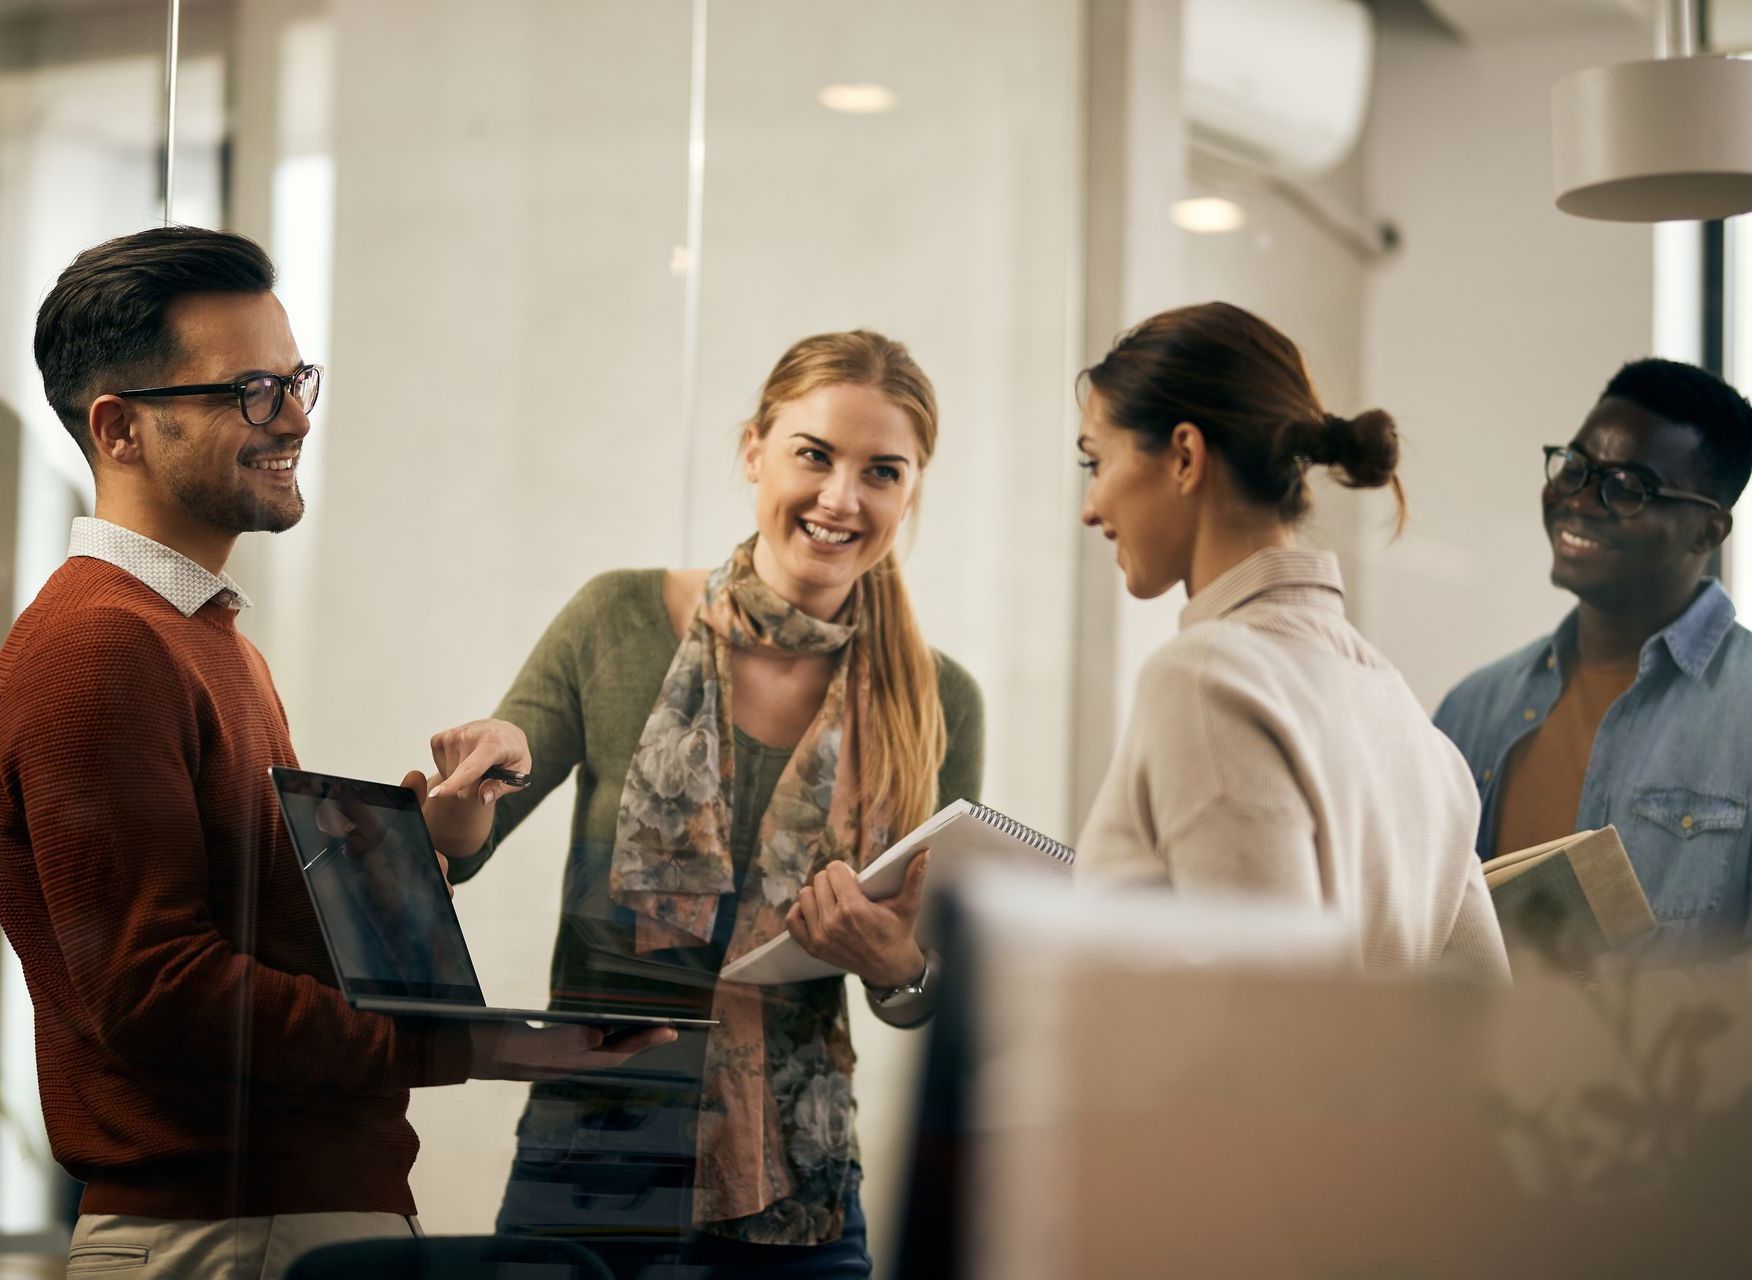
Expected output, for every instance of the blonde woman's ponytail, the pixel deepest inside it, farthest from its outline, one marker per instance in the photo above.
(908, 736)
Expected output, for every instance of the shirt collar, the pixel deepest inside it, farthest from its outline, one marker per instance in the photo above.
(1691, 639)
(1695, 635)
(171, 574)
(1269, 570)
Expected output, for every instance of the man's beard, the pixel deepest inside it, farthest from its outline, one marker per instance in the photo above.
(233, 508)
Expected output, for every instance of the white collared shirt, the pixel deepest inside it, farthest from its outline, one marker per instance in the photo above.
(170, 573)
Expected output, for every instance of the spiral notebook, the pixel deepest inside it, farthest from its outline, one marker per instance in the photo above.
(963, 832)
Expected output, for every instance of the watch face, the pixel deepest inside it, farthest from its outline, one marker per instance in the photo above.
(911, 991)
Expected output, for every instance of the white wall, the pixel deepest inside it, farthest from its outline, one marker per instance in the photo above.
(499, 420)
(1296, 273)
(1490, 334)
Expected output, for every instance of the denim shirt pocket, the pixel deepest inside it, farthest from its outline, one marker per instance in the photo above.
(1683, 843)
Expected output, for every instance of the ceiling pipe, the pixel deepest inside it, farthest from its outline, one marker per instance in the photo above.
(1678, 29)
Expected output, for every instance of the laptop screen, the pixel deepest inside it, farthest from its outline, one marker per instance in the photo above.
(374, 881)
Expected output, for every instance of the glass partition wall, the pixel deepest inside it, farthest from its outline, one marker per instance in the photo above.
(584, 233)
(548, 253)
(82, 157)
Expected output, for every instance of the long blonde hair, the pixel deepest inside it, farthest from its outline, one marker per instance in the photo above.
(906, 740)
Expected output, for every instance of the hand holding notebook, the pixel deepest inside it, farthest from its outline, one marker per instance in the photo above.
(834, 920)
(959, 833)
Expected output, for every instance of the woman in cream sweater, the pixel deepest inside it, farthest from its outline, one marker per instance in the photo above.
(1270, 748)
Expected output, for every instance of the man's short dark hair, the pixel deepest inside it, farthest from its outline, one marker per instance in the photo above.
(102, 328)
(1684, 393)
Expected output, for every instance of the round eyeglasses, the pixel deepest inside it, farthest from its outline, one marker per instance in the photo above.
(1624, 490)
(260, 396)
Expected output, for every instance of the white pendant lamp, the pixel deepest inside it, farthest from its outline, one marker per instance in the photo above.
(1656, 141)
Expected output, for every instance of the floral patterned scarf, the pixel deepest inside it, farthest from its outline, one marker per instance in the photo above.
(776, 1143)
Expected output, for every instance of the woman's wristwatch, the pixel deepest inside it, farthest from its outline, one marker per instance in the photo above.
(887, 997)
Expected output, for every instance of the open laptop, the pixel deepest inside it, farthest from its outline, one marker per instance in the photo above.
(387, 918)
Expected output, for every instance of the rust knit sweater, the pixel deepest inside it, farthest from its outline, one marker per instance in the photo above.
(194, 1056)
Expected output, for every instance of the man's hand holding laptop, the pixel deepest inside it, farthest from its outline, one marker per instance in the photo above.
(517, 1051)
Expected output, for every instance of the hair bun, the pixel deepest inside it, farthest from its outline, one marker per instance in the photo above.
(1245, 385)
(1364, 450)
(1306, 442)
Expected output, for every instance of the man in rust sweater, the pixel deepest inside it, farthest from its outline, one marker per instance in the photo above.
(199, 1069)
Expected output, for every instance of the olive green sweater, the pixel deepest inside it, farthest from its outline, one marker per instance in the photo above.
(583, 698)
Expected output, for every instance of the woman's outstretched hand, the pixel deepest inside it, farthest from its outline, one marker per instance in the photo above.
(834, 921)
(458, 805)
(464, 753)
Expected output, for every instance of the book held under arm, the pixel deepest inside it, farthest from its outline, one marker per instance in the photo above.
(1571, 898)
(959, 833)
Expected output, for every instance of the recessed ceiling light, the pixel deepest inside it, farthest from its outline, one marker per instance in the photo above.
(1209, 215)
(857, 99)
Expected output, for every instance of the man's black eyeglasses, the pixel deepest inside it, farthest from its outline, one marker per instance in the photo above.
(1624, 490)
(260, 396)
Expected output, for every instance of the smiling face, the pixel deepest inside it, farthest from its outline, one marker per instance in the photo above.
(834, 476)
(1618, 565)
(200, 456)
(1141, 500)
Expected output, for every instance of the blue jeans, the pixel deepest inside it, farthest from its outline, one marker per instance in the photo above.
(716, 1258)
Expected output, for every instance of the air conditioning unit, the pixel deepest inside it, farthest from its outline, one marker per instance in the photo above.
(1477, 19)
(1280, 84)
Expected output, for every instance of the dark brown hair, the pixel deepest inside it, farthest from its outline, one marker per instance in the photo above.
(102, 326)
(1244, 385)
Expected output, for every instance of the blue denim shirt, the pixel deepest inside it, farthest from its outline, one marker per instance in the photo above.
(1671, 765)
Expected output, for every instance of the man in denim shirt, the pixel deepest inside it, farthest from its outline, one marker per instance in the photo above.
(1637, 711)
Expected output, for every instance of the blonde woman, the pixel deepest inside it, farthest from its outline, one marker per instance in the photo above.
(1271, 750)
(743, 739)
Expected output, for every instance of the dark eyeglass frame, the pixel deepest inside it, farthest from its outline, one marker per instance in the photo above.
(1615, 476)
(282, 385)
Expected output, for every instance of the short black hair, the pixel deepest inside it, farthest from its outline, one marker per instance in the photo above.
(1683, 393)
(103, 326)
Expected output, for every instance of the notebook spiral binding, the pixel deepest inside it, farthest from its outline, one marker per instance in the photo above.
(1027, 835)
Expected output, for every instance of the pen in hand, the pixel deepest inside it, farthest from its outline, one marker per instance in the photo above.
(510, 778)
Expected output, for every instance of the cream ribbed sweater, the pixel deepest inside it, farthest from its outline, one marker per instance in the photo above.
(1271, 749)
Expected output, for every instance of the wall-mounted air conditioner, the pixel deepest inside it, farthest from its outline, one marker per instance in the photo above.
(1281, 84)
(1479, 19)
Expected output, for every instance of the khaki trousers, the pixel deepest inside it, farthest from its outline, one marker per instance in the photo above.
(116, 1248)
